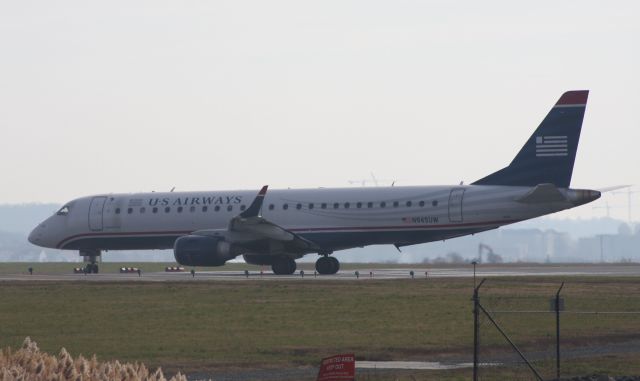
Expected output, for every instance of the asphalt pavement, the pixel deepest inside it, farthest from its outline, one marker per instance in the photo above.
(363, 273)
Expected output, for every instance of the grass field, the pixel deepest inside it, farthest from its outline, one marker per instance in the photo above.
(226, 325)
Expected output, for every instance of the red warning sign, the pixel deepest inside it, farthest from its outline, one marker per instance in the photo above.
(338, 368)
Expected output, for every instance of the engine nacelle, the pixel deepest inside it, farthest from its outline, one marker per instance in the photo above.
(195, 250)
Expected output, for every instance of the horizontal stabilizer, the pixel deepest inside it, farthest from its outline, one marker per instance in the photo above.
(542, 193)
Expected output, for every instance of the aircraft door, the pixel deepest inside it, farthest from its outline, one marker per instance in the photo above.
(112, 215)
(95, 213)
(455, 205)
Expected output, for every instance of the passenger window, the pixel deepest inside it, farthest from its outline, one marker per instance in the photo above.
(310, 206)
(285, 206)
(117, 210)
(142, 210)
(434, 203)
(421, 203)
(216, 208)
(395, 204)
(155, 210)
(271, 206)
(299, 206)
(383, 204)
(63, 211)
(205, 208)
(130, 210)
(359, 205)
(192, 209)
(369, 205)
(323, 205)
(167, 209)
(408, 204)
(336, 205)
(179, 209)
(346, 205)
(229, 208)
(242, 207)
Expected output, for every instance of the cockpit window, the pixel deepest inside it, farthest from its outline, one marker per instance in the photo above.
(63, 211)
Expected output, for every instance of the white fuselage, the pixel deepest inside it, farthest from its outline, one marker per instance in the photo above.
(334, 219)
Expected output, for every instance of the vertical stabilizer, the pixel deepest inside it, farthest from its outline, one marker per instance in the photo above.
(548, 156)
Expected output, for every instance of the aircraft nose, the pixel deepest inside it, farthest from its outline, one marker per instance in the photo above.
(35, 237)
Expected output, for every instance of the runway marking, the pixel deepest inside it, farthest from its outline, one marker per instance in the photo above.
(417, 365)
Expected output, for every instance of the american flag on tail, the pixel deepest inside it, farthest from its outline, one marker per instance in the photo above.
(551, 146)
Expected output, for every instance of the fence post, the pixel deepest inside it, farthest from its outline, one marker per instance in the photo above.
(558, 331)
(476, 327)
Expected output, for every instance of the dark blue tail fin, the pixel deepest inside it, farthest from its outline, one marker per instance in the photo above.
(548, 155)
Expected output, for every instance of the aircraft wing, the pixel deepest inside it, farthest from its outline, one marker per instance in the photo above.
(249, 229)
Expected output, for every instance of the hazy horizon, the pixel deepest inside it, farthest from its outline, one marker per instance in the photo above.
(150, 95)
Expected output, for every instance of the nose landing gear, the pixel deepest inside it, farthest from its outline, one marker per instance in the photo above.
(91, 268)
(327, 265)
(91, 257)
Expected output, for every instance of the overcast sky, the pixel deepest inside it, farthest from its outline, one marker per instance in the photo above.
(120, 96)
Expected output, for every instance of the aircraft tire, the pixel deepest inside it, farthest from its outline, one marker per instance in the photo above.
(284, 266)
(322, 265)
(95, 268)
(327, 265)
(335, 265)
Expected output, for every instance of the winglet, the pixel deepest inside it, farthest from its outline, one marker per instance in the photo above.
(254, 209)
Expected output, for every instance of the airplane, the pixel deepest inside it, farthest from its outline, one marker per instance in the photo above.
(276, 227)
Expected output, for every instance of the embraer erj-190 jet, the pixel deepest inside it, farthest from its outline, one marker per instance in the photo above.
(276, 227)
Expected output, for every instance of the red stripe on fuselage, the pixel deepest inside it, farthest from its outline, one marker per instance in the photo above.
(124, 234)
(298, 230)
(401, 227)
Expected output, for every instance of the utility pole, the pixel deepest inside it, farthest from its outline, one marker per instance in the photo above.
(629, 192)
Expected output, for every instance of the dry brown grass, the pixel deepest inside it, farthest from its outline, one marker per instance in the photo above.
(29, 363)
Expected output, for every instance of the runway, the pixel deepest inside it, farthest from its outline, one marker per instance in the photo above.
(363, 274)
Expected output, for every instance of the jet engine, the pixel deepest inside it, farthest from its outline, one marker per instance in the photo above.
(194, 250)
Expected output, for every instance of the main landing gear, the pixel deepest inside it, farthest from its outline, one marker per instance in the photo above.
(284, 266)
(327, 265)
(91, 257)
